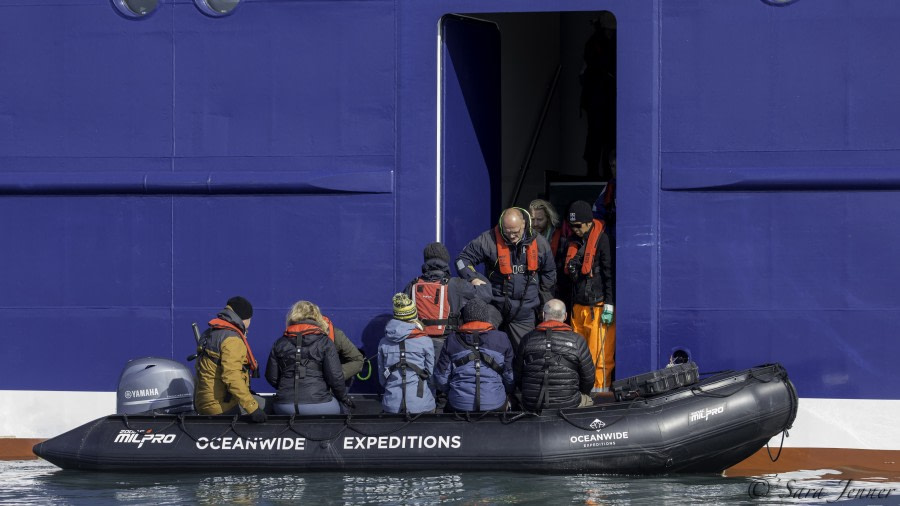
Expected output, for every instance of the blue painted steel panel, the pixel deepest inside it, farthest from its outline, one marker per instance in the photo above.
(764, 277)
(78, 80)
(285, 78)
(471, 128)
(281, 100)
(756, 154)
(78, 348)
(65, 254)
(778, 151)
(745, 76)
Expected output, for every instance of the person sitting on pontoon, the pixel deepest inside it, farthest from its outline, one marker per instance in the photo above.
(554, 368)
(475, 367)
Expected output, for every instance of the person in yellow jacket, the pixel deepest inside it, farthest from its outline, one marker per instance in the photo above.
(225, 363)
(589, 266)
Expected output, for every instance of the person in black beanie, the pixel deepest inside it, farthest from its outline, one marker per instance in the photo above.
(439, 297)
(475, 367)
(225, 363)
(589, 266)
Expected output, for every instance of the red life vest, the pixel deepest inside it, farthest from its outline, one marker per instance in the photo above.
(504, 260)
(218, 323)
(590, 249)
(432, 299)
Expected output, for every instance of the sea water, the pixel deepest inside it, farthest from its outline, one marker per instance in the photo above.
(38, 482)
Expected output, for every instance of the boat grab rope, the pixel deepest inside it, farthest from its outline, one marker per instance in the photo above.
(775, 374)
(587, 428)
(409, 419)
(470, 416)
(183, 426)
(310, 438)
(505, 419)
(780, 446)
(234, 422)
(699, 392)
(129, 427)
(367, 360)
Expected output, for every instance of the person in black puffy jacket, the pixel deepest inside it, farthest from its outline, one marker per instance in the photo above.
(304, 366)
(559, 375)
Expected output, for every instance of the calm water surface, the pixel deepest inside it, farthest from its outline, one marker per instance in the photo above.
(38, 482)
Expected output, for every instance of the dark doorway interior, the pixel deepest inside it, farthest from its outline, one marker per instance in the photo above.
(519, 94)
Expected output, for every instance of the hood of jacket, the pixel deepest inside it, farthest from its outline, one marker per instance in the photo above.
(397, 330)
(434, 269)
(231, 317)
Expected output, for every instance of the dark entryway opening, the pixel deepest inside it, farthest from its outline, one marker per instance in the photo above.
(518, 93)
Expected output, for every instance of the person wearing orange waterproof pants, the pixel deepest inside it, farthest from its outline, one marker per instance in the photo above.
(601, 340)
(589, 266)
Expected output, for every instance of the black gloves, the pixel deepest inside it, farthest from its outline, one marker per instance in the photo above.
(258, 416)
(574, 266)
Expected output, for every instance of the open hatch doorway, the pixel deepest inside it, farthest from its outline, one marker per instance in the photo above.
(512, 123)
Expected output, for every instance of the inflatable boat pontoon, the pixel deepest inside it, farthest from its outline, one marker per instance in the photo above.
(701, 428)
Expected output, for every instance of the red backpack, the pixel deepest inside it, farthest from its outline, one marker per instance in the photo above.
(432, 300)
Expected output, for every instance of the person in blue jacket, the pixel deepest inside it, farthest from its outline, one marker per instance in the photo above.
(405, 361)
(476, 364)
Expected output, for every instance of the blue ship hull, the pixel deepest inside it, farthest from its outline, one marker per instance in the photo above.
(151, 168)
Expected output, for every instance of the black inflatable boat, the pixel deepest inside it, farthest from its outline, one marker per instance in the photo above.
(705, 427)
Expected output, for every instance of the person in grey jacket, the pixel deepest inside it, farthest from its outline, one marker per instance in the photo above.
(520, 267)
(405, 361)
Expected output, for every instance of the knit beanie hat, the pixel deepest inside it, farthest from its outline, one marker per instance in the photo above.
(476, 310)
(241, 307)
(404, 308)
(580, 212)
(437, 250)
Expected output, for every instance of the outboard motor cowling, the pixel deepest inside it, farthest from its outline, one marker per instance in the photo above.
(155, 385)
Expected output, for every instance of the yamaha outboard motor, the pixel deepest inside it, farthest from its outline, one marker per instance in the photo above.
(155, 386)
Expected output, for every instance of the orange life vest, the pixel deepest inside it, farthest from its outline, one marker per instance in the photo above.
(470, 327)
(218, 323)
(302, 329)
(417, 333)
(504, 260)
(553, 325)
(590, 249)
(330, 327)
(554, 240)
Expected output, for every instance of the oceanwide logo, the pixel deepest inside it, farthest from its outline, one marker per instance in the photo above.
(599, 438)
(238, 443)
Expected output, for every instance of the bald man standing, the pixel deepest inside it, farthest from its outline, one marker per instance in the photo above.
(520, 267)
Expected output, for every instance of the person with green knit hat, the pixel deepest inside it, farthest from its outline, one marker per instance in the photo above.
(405, 361)
(404, 308)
